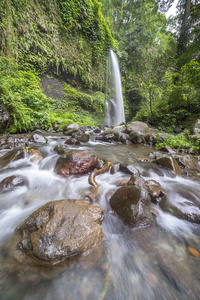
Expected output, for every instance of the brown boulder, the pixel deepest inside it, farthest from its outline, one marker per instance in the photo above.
(37, 138)
(182, 208)
(155, 190)
(187, 161)
(168, 163)
(11, 156)
(136, 180)
(84, 138)
(36, 155)
(76, 163)
(11, 182)
(167, 149)
(60, 229)
(132, 205)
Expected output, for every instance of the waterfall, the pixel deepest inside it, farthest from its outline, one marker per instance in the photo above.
(114, 105)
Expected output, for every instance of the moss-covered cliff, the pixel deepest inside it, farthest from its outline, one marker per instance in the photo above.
(71, 36)
(68, 40)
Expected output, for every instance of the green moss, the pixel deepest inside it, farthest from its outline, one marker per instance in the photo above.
(70, 36)
(21, 94)
(67, 39)
(181, 141)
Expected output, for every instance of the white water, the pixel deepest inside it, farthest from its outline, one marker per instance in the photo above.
(114, 111)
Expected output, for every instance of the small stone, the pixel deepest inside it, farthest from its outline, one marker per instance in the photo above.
(193, 252)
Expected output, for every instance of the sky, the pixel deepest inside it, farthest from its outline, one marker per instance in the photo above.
(172, 10)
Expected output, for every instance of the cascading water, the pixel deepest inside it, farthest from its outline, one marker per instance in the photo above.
(145, 263)
(114, 112)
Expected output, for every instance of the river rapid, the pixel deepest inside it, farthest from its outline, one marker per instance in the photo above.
(131, 263)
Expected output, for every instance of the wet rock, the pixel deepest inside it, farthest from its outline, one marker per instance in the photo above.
(173, 262)
(120, 128)
(136, 138)
(70, 129)
(12, 182)
(161, 137)
(136, 180)
(182, 208)
(169, 163)
(167, 149)
(72, 132)
(76, 163)
(178, 130)
(108, 136)
(84, 138)
(36, 156)
(55, 127)
(132, 205)
(115, 168)
(139, 127)
(155, 190)
(37, 138)
(60, 229)
(155, 155)
(187, 161)
(97, 130)
(72, 141)
(124, 138)
(196, 127)
(60, 149)
(139, 132)
(122, 183)
(73, 126)
(10, 156)
(129, 169)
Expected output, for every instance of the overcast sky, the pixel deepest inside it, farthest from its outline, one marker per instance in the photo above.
(172, 10)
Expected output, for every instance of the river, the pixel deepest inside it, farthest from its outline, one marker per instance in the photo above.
(132, 263)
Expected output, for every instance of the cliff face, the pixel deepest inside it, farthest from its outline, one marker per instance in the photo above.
(69, 38)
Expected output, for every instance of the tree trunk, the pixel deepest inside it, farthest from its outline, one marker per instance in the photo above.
(184, 30)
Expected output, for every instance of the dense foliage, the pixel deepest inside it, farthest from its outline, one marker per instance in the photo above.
(70, 39)
(159, 59)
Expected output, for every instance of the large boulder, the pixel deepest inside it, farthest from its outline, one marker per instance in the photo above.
(84, 138)
(155, 190)
(187, 162)
(196, 127)
(120, 128)
(184, 206)
(76, 163)
(12, 155)
(71, 129)
(12, 182)
(139, 127)
(129, 169)
(167, 149)
(132, 205)
(169, 163)
(109, 135)
(36, 156)
(60, 229)
(37, 138)
(139, 132)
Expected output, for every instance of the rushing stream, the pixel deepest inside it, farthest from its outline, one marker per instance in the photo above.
(131, 264)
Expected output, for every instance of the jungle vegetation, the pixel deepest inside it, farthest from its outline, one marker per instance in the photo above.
(69, 40)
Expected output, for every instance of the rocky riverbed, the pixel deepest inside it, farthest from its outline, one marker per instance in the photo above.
(130, 232)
